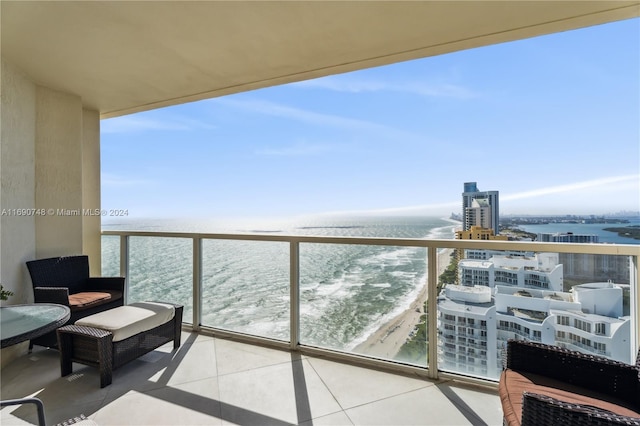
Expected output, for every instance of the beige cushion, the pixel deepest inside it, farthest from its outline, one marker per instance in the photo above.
(126, 321)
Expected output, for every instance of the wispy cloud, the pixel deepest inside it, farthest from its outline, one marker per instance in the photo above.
(349, 85)
(128, 124)
(300, 149)
(629, 183)
(435, 208)
(311, 117)
(573, 187)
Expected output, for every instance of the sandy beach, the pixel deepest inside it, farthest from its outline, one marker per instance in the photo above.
(387, 341)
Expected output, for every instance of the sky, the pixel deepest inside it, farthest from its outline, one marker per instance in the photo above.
(552, 123)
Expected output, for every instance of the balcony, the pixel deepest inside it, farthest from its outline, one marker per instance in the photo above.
(216, 381)
(232, 372)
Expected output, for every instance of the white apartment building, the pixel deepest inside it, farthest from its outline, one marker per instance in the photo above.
(567, 237)
(482, 254)
(541, 270)
(599, 327)
(475, 320)
(467, 330)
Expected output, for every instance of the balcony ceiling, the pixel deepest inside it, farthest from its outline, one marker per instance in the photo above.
(124, 57)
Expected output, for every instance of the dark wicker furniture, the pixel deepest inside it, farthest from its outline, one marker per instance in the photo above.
(544, 385)
(94, 347)
(54, 279)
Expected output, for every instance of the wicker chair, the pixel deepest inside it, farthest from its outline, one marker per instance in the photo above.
(66, 281)
(543, 385)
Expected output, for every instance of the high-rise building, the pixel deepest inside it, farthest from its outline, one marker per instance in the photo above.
(480, 208)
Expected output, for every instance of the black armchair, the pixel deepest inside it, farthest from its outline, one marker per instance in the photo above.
(66, 281)
(546, 385)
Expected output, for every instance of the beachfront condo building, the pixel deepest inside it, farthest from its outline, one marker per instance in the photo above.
(467, 330)
(477, 233)
(476, 320)
(480, 208)
(568, 237)
(579, 268)
(542, 270)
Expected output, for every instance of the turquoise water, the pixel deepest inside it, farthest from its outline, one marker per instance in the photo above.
(346, 291)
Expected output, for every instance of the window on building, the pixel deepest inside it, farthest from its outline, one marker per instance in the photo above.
(601, 328)
(582, 325)
(563, 320)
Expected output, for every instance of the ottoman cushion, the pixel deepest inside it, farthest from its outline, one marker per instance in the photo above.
(126, 321)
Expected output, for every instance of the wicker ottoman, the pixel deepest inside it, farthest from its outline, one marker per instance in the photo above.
(110, 339)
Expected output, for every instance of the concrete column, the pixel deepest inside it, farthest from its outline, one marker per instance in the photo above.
(58, 161)
(67, 164)
(91, 222)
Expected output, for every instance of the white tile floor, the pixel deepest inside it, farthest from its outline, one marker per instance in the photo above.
(211, 381)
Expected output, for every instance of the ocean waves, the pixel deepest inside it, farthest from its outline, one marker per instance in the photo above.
(346, 291)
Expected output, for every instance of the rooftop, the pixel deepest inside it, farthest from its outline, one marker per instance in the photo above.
(215, 381)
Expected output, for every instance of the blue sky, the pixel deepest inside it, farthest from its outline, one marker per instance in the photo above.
(552, 122)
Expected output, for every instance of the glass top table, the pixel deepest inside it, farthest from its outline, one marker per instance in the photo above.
(25, 322)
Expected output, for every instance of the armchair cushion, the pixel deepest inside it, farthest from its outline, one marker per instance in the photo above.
(514, 384)
(86, 299)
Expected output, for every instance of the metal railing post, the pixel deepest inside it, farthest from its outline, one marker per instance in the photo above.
(432, 311)
(634, 288)
(124, 265)
(197, 283)
(294, 291)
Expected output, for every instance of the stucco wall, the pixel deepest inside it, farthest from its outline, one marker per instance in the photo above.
(49, 165)
(17, 170)
(17, 178)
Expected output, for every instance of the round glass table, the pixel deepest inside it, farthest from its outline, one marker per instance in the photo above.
(19, 323)
(25, 322)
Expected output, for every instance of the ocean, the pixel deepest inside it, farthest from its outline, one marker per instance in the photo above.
(347, 291)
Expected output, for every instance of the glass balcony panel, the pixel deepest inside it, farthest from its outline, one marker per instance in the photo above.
(364, 299)
(353, 297)
(161, 269)
(245, 287)
(110, 256)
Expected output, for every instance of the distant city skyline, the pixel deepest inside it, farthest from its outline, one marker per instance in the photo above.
(550, 122)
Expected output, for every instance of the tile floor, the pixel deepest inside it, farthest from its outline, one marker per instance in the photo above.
(211, 381)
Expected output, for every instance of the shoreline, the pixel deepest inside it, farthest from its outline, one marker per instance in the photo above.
(389, 338)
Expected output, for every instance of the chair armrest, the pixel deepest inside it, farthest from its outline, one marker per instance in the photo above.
(543, 410)
(588, 371)
(59, 295)
(105, 283)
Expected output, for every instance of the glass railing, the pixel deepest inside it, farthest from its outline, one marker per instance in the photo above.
(380, 300)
